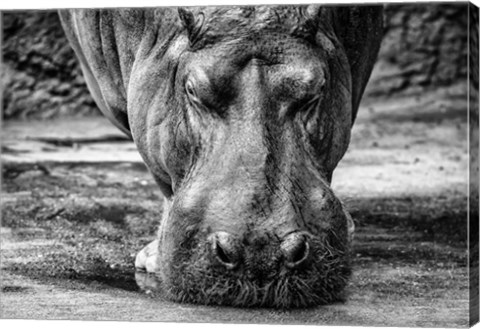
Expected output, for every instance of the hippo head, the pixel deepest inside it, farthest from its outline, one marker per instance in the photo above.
(242, 118)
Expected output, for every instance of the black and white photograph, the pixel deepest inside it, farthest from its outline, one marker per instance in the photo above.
(241, 163)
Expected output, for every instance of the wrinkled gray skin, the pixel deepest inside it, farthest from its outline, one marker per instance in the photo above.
(241, 114)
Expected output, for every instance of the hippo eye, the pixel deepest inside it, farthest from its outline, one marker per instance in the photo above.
(310, 101)
(307, 103)
(190, 89)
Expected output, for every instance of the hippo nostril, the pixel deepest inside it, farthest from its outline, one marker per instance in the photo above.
(298, 252)
(225, 249)
(295, 249)
(222, 255)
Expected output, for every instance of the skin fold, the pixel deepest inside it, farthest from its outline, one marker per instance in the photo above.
(241, 115)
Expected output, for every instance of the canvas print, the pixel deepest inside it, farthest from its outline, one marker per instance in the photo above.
(276, 164)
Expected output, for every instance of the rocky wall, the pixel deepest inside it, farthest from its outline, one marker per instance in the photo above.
(40, 74)
(425, 46)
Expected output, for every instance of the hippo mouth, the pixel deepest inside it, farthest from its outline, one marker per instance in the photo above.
(319, 279)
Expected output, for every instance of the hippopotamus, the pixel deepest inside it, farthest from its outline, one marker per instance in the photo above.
(241, 113)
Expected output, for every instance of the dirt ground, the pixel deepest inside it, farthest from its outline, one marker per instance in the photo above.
(77, 204)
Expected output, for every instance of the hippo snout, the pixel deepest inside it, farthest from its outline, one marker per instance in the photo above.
(229, 251)
(258, 269)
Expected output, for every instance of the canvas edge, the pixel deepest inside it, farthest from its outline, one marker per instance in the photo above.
(473, 174)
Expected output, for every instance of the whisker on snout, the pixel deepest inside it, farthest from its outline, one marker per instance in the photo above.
(308, 271)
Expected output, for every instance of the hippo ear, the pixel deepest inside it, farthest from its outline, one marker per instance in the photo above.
(311, 15)
(311, 12)
(192, 23)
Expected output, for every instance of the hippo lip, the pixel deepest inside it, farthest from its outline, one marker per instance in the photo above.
(320, 282)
